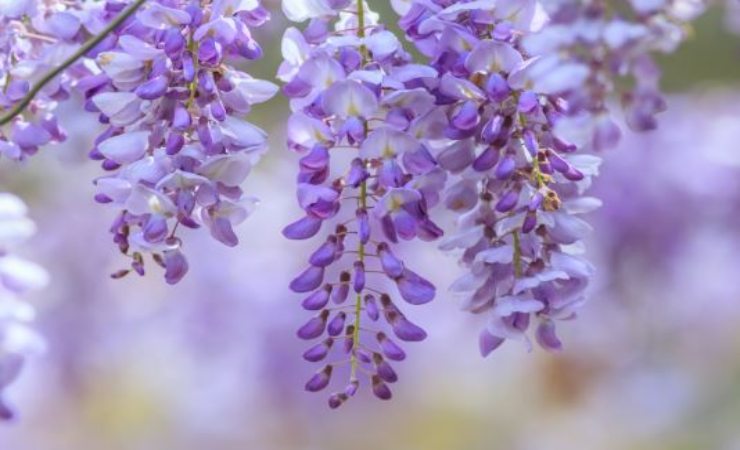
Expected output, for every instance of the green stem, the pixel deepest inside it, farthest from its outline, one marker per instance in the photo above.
(362, 202)
(517, 256)
(82, 51)
(193, 87)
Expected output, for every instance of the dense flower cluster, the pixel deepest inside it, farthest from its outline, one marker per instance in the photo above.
(17, 276)
(497, 125)
(176, 146)
(359, 111)
(34, 36)
(591, 50)
(519, 186)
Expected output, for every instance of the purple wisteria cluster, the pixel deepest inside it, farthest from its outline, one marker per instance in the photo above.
(498, 124)
(176, 146)
(34, 36)
(18, 340)
(360, 109)
(590, 51)
(517, 185)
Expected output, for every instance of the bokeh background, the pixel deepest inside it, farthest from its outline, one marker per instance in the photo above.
(653, 362)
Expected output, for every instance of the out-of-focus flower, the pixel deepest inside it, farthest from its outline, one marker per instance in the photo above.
(18, 340)
(589, 51)
(35, 36)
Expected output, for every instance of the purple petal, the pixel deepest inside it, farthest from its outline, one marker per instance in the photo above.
(392, 266)
(342, 291)
(508, 201)
(222, 230)
(358, 280)
(371, 308)
(314, 327)
(415, 289)
(530, 221)
(336, 325)
(488, 342)
(383, 369)
(390, 349)
(506, 167)
(380, 389)
(304, 228)
(357, 173)
(175, 143)
(467, 117)
(457, 156)
(528, 101)
(318, 299)
(319, 351)
(316, 159)
(308, 280)
(419, 161)
(546, 336)
(155, 229)
(492, 129)
(181, 119)
(363, 226)
(325, 254)
(176, 266)
(407, 331)
(319, 380)
(153, 89)
(486, 160)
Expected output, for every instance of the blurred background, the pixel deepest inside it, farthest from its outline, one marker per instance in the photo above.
(653, 362)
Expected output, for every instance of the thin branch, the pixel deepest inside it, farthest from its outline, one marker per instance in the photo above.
(82, 51)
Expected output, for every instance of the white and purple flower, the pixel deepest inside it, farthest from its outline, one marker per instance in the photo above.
(357, 120)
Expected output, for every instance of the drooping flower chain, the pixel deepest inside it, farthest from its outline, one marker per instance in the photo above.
(357, 119)
(18, 340)
(519, 186)
(591, 50)
(177, 146)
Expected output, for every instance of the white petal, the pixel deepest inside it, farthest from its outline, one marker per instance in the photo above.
(242, 134)
(497, 255)
(21, 275)
(301, 10)
(230, 170)
(125, 148)
(122, 108)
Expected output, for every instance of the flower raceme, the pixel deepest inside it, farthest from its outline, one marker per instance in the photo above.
(517, 184)
(17, 276)
(359, 111)
(497, 124)
(176, 146)
(589, 51)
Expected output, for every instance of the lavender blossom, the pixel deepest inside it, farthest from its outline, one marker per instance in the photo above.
(588, 51)
(517, 186)
(176, 147)
(35, 36)
(18, 340)
(358, 119)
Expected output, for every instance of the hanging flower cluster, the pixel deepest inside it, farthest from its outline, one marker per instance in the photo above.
(518, 189)
(17, 276)
(496, 124)
(34, 37)
(176, 146)
(590, 50)
(359, 113)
